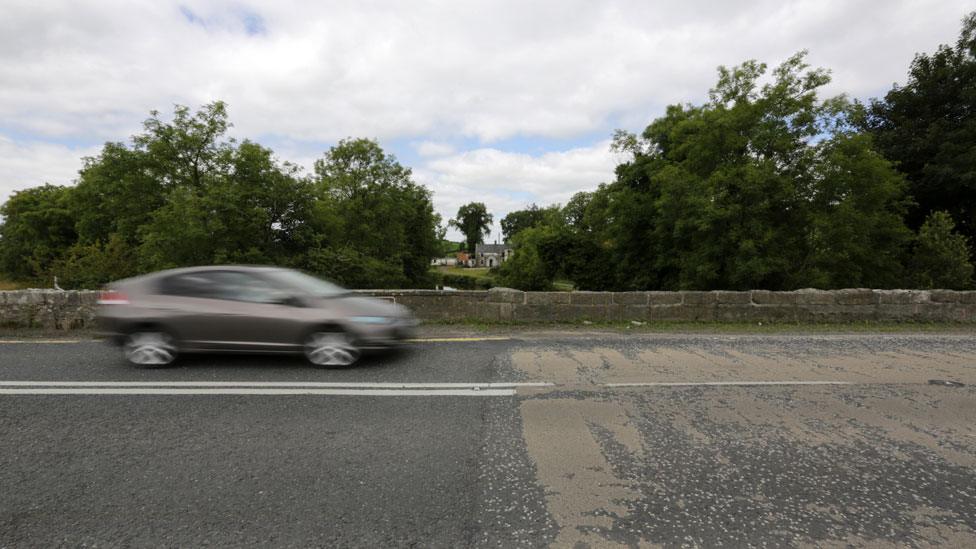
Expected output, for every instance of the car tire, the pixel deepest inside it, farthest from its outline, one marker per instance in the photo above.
(330, 348)
(149, 348)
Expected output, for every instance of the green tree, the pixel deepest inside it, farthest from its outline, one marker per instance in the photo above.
(474, 222)
(738, 193)
(527, 269)
(519, 220)
(928, 128)
(189, 150)
(367, 202)
(256, 212)
(85, 266)
(941, 256)
(37, 229)
(116, 194)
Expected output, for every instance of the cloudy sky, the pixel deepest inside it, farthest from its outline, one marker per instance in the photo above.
(502, 102)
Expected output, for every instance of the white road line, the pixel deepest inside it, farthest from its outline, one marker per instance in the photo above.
(726, 383)
(271, 384)
(45, 341)
(253, 391)
(452, 339)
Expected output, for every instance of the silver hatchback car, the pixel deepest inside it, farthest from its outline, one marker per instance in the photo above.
(245, 309)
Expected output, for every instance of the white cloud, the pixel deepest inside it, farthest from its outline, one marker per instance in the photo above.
(434, 148)
(25, 165)
(488, 70)
(507, 181)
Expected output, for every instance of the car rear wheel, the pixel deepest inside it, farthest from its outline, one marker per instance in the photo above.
(149, 349)
(330, 348)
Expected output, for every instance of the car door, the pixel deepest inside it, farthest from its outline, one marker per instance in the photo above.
(230, 310)
(256, 314)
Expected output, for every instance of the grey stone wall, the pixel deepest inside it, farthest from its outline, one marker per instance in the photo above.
(52, 309)
(503, 305)
(49, 309)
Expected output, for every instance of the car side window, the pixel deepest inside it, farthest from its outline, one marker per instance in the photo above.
(189, 285)
(226, 285)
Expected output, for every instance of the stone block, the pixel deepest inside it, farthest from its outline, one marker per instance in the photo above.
(814, 297)
(732, 298)
(735, 313)
(766, 297)
(837, 313)
(774, 313)
(576, 313)
(952, 296)
(630, 298)
(681, 313)
(665, 312)
(698, 298)
(857, 296)
(624, 313)
(546, 298)
(901, 297)
(533, 313)
(590, 298)
(663, 298)
(505, 295)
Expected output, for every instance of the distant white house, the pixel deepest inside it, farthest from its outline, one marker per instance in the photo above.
(491, 255)
(446, 261)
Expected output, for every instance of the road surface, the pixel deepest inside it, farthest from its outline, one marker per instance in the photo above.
(527, 439)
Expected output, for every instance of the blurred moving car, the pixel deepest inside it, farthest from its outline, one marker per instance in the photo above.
(245, 309)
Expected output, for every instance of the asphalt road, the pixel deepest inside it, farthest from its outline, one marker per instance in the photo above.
(541, 439)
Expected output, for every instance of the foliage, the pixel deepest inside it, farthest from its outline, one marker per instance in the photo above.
(474, 222)
(449, 248)
(941, 256)
(761, 187)
(182, 194)
(92, 265)
(519, 220)
(527, 269)
(352, 269)
(928, 128)
(463, 282)
(364, 199)
(37, 228)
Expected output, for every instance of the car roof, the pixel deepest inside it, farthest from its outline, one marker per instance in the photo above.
(152, 277)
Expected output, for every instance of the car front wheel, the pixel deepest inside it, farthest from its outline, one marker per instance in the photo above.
(330, 349)
(149, 349)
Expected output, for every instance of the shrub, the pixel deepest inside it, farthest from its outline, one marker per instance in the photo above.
(941, 256)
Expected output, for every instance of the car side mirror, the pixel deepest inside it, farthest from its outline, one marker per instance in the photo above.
(284, 298)
(293, 301)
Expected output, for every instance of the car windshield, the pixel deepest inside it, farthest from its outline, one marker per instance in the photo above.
(307, 284)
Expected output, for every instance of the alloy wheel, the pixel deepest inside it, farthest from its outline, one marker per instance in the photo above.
(330, 349)
(152, 349)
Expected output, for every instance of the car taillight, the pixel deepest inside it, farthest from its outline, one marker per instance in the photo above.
(112, 297)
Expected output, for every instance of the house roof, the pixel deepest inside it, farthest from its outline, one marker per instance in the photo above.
(491, 248)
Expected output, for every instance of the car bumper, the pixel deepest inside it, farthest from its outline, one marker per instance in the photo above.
(387, 336)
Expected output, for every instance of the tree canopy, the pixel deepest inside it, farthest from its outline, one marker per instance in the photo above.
(474, 222)
(928, 128)
(182, 193)
(765, 185)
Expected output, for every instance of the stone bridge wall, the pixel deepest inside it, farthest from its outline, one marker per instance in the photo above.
(75, 309)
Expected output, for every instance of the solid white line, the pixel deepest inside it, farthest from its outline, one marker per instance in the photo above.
(254, 391)
(45, 341)
(450, 339)
(270, 384)
(725, 383)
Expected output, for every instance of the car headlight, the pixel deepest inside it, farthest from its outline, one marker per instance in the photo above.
(371, 319)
